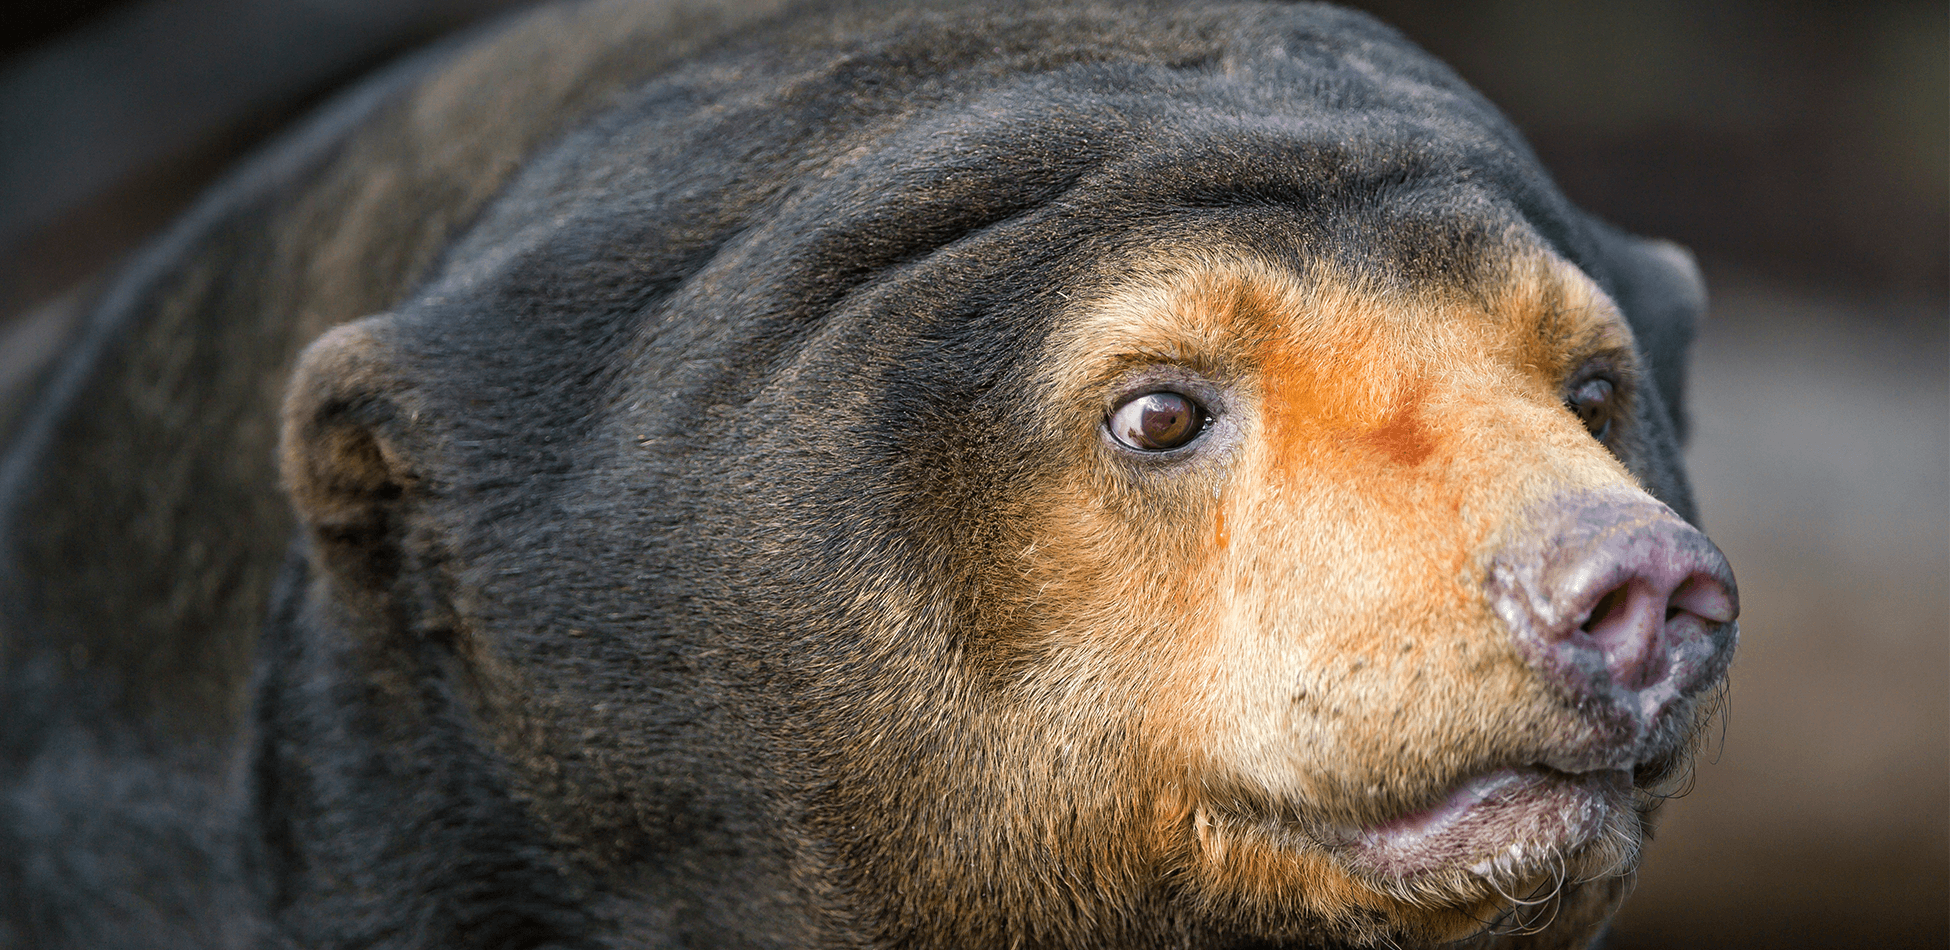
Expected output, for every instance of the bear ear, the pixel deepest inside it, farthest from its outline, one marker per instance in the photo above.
(1658, 285)
(345, 455)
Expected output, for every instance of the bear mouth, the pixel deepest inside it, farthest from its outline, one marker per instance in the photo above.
(1507, 825)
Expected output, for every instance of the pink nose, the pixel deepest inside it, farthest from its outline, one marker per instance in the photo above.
(1618, 603)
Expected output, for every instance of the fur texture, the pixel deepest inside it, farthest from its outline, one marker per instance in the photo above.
(706, 532)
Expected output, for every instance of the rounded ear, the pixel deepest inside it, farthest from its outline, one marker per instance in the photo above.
(1658, 285)
(348, 421)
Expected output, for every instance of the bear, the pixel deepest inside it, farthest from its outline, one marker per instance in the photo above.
(1059, 474)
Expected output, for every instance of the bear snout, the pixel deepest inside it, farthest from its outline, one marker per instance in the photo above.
(1623, 608)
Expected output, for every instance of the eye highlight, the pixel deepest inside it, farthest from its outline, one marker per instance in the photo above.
(1157, 421)
(1595, 403)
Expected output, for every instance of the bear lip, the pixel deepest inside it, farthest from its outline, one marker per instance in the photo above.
(1495, 825)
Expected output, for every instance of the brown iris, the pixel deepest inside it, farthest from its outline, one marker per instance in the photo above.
(1157, 422)
(1594, 403)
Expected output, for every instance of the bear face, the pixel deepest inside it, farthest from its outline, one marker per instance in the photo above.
(921, 478)
(1308, 730)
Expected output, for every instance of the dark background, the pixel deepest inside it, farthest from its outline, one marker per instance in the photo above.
(1798, 148)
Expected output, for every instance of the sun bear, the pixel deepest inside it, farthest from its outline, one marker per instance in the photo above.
(1050, 475)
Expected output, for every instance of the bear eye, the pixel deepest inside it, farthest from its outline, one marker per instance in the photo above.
(1594, 404)
(1157, 421)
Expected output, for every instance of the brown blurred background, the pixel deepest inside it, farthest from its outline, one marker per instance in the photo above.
(1798, 147)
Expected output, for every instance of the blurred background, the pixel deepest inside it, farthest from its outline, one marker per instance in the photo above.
(1799, 148)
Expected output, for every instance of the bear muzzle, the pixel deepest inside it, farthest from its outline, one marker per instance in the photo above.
(1627, 615)
(1624, 610)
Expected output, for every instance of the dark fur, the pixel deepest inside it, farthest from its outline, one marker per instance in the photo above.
(743, 330)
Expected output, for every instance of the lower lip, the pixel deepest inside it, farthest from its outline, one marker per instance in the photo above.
(1499, 824)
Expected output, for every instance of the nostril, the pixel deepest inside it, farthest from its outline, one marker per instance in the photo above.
(1623, 630)
(1607, 609)
(1705, 597)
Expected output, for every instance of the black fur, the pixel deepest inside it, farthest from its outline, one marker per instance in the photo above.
(741, 334)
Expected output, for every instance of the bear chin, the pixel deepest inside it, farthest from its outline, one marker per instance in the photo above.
(1519, 834)
(1499, 853)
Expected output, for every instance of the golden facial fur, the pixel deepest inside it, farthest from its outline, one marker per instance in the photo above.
(1299, 596)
